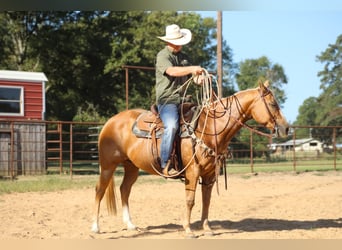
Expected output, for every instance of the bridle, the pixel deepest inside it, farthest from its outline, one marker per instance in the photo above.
(262, 96)
(220, 157)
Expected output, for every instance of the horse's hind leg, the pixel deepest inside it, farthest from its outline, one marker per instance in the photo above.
(105, 178)
(131, 175)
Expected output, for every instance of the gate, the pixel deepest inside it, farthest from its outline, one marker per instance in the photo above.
(8, 147)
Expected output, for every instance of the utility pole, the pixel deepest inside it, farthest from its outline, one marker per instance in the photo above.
(219, 54)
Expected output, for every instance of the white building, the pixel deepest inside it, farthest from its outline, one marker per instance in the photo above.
(306, 144)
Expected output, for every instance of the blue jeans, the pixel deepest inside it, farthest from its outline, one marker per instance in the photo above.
(170, 118)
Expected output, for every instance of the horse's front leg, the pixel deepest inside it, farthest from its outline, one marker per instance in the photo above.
(191, 179)
(207, 187)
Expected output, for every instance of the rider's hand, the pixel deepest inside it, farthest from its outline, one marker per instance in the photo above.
(198, 70)
(197, 75)
(198, 79)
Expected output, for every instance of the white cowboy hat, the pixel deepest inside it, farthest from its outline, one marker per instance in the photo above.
(175, 35)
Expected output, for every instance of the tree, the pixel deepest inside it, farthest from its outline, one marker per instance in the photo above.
(19, 30)
(73, 56)
(326, 109)
(138, 45)
(307, 116)
(82, 54)
(251, 72)
(254, 70)
(331, 85)
(330, 100)
(65, 46)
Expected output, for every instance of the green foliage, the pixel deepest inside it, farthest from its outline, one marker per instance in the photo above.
(251, 72)
(331, 85)
(260, 143)
(88, 114)
(307, 116)
(308, 112)
(326, 109)
(82, 54)
(254, 70)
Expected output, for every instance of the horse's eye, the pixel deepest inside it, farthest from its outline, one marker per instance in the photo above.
(274, 105)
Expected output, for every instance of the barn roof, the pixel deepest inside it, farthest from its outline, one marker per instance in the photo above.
(295, 142)
(298, 141)
(22, 76)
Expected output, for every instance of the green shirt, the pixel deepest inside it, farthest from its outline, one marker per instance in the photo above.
(166, 86)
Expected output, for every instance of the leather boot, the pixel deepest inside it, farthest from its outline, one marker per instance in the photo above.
(169, 172)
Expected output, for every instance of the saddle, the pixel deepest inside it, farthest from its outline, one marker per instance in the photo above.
(149, 124)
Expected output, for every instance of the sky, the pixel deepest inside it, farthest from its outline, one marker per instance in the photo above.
(291, 38)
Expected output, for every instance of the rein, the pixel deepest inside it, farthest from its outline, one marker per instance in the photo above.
(220, 158)
(252, 129)
(206, 102)
(262, 96)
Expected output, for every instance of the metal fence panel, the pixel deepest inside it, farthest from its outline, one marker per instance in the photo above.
(44, 147)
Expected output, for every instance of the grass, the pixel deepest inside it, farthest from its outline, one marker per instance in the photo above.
(46, 183)
(301, 166)
(57, 182)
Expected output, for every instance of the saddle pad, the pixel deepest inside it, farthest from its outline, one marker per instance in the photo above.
(148, 123)
(145, 124)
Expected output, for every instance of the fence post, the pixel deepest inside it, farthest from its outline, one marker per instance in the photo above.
(334, 147)
(294, 150)
(71, 149)
(12, 151)
(126, 75)
(251, 150)
(60, 147)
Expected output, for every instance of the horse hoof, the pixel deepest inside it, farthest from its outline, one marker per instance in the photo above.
(95, 229)
(132, 229)
(208, 233)
(190, 236)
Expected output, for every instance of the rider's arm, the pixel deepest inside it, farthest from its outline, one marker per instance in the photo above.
(177, 71)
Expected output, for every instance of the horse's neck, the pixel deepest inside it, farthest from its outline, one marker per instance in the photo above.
(224, 119)
(239, 104)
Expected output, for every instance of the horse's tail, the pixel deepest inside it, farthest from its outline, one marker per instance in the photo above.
(111, 197)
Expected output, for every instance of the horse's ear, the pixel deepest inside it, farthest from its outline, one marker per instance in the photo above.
(260, 83)
(264, 84)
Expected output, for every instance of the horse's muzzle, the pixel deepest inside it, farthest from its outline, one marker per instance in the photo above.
(281, 131)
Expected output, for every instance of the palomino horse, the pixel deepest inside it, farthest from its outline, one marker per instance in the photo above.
(217, 123)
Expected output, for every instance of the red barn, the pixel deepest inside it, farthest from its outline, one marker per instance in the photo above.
(22, 129)
(22, 95)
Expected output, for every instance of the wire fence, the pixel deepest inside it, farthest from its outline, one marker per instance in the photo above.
(50, 147)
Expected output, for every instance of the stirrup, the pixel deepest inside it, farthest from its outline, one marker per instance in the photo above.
(170, 173)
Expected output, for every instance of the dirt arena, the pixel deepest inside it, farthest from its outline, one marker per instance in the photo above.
(263, 206)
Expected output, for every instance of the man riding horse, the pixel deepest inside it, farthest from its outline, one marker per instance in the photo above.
(217, 122)
(172, 70)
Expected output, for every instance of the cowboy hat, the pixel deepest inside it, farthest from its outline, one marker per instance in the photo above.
(176, 35)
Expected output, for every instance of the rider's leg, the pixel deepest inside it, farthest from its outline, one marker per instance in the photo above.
(170, 117)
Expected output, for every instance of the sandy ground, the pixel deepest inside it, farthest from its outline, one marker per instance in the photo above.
(264, 206)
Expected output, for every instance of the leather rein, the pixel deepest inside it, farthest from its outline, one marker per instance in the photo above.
(221, 157)
(262, 96)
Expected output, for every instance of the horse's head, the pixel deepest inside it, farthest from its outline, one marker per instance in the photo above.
(266, 111)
